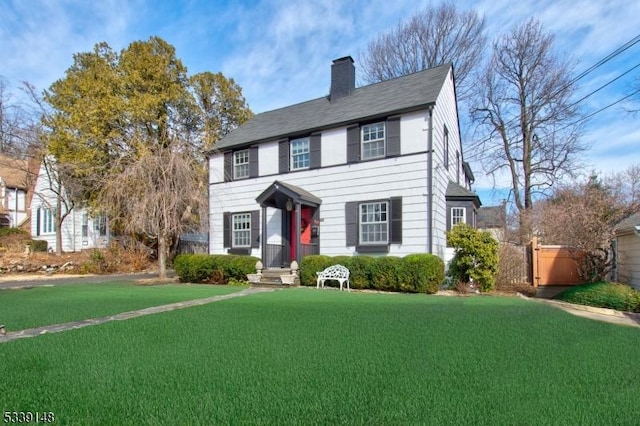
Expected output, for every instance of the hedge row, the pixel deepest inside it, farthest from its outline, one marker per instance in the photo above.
(620, 297)
(415, 273)
(218, 269)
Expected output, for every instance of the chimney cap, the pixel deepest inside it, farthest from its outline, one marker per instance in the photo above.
(343, 59)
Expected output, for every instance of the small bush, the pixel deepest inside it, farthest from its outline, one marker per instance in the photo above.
(219, 269)
(39, 245)
(309, 265)
(360, 269)
(4, 232)
(388, 274)
(476, 257)
(616, 296)
(425, 272)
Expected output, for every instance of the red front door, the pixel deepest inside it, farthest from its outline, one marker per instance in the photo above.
(305, 229)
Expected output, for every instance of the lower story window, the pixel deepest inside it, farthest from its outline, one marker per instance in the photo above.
(48, 221)
(374, 223)
(241, 225)
(458, 215)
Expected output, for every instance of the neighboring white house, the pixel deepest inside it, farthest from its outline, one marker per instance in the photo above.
(79, 230)
(361, 171)
(628, 251)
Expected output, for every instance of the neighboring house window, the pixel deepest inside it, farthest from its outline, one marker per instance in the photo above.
(47, 221)
(100, 226)
(374, 223)
(241, 164)
(241, 224)
(373, 141)
(446, 148)
(85, 225)
(458, 215)
(300, 154)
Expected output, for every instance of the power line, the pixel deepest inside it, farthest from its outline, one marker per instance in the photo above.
(605, 85)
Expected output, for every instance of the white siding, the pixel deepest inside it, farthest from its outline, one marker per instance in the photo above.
(414, 131)
(629, 260)
(216, 168)
(268, 159)
(334, 147)
(72, 239)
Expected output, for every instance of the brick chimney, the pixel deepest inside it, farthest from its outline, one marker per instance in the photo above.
(343, 78)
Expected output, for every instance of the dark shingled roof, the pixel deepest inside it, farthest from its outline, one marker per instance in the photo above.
(460, 192)
(402, 94)
(491, 217)
(629, 223)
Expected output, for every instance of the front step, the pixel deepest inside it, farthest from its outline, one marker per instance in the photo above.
(271, 277)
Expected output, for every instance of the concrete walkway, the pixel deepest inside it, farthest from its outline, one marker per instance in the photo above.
(38, 331)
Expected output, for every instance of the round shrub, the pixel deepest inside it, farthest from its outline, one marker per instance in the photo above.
(476, 257)
(194, 268)
(620, 297)
(38, 245)
(424, 271)
(237, 267)
(360, 268)
(388, 273)
(309, 265)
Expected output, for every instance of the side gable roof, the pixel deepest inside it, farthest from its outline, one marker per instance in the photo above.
(628, 225)
(14, 172)
(457, 192)
(402, 94)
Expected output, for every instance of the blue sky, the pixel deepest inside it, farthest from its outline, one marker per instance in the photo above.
(280, 52)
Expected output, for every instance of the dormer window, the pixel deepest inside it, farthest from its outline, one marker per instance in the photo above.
(372, 141)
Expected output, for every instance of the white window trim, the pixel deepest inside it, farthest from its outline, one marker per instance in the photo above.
(462, 220)
(360, 224)
(245, 217)
(47, 222)
(383, 139)
(236, 164)
(292, 155)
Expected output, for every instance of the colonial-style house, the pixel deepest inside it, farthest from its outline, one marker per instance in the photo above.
(362, 171)
(627, 241)
(79, 229)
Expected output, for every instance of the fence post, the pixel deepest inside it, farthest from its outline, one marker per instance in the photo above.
(535, 267)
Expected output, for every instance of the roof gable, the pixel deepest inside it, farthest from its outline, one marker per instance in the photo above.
(389, 97)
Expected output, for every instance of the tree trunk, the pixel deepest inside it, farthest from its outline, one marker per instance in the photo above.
(162, 257)
(58, 222)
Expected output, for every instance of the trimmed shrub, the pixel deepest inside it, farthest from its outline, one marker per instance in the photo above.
(620, 297)
(39, 245)
(218, 269)
(309, 265)
(388, 273)
(194, 267)
(360, 268)
(237, 267)
(4, 232)
(425, 272)
(476, 257)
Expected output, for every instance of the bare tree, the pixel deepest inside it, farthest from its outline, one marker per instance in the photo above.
(527, 122)
(582, 216)
(625, 186)
(432, 37)
(158, 194)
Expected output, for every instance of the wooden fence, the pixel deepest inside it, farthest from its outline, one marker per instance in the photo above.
(553, 265)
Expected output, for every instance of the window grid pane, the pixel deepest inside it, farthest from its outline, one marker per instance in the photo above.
(373, 223)
(241, 164)
(300, 154)
(241, 230)
(373, 141)
(457, 216)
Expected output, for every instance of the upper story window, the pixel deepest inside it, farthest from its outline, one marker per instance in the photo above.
(241, 164)
(241, 230)
(374, 223)
(458, 215)
(300, 156)
(372, 141)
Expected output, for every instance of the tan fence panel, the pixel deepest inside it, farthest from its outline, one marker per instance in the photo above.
(553, 265)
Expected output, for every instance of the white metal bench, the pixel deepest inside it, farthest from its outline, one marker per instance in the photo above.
(337, 273)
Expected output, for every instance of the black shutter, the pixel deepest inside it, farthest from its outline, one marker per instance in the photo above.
(351, 223)
(228, 166)
(38, 221)
(226, 229)
(253, 161)
(284, 156)
(314, 151)
(396, 220)
(393, 137)
(353, 144)
(255, 229)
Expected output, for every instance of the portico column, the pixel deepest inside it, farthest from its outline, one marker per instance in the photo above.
(297, 229)
(263, 238)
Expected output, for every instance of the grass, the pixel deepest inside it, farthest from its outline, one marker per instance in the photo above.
(621, 297)
(302, 356)
(37, 306)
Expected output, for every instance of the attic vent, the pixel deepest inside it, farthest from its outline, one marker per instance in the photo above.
(343, 78)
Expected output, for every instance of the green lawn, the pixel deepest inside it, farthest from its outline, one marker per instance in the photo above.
(323, 357)
(37, 306)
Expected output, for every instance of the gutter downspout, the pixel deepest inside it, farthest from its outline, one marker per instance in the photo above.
(430, 183)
